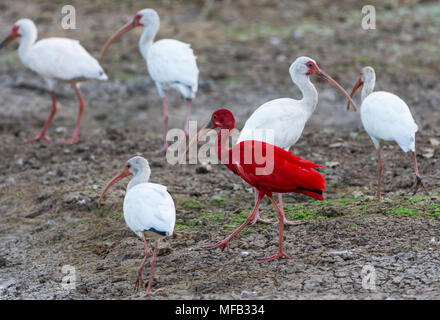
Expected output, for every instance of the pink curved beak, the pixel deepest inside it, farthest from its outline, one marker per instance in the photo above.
(124, 173)
(357, 85)
(124, 29)
(5, 42)
(321, 73)
(205, 129)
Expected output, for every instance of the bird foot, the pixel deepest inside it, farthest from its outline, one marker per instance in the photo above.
(38, 138)
(279, 255)
(222, 244)
(419, 183)
(293, 223)
(161, 150)
(149, 293)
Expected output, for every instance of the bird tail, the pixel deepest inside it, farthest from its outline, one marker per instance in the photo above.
(315, 194)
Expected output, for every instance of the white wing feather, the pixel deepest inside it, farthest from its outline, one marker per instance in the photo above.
(149, 205)
(63, 59)
(284, 116)
(171, 61)
(387, 117)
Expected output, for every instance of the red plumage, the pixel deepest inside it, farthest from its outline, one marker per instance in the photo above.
(266, 167)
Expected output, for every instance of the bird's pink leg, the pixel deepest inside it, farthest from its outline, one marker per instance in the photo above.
(165, 121)
(257, 214)
(150, 280)
(140, 272)
(75, 136)
(42, 135)
(280, 254)
(188, 115)
(379, 173)
(418, 177)
(225, 242)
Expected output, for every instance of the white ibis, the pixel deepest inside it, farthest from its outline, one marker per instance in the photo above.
(286, 117)
(171, 63)
(149, 211)
(56, 60)
(386, 117)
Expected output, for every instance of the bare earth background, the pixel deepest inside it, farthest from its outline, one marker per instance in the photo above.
(48, 191)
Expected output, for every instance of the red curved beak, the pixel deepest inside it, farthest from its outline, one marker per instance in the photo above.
(357, 85)
(124, 29)
(205, 129)
(321, 73)
(124, 173)
(5, 42)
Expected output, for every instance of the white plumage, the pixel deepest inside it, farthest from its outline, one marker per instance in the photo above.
(149, 206)
(55, 59)
(170, 63)
(281, 121)
(149, 210)
(386, 117)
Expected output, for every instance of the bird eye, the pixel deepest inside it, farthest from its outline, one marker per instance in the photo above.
(310, 65)
(214, 117)
(128, 166)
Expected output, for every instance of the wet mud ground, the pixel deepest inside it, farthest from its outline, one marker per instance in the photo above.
(49, 216)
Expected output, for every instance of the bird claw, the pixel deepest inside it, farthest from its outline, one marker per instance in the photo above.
(279, 255)
(222, 244)
(38, 138)
(419, 183)
(149, 293)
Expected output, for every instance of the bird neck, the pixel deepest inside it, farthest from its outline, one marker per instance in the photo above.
(367, 88)
(26, 42)
(308, 91)
(222, 145)
(140, 177)
(147, 39)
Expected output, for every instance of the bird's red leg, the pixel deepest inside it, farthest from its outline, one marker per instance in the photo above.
(140, 272)
(81, 106)
(165, 121)
(280, 254)
(42, 135)
(418, 177)
(188, 115)
(257, 215)
(379, 173)
(225, 242)
(150, 279)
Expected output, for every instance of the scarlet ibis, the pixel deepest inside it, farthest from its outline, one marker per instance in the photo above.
(267, 168)
(56, 60)
(287, 117)
(171, 63)
(149, 211)
(386, 117)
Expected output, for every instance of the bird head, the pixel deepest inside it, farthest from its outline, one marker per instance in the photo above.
(146, 17)
(305, 66)
(367, 75)
(132, 167)
(20, 28)
(222, 118)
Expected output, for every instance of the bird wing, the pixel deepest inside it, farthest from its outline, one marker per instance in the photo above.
(274, 169)
(387, 117)
(63, 59)
(170, 61)
(149, 205)
(283, 117)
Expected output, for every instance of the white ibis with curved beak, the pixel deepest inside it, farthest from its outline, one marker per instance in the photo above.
(56, 60)
(287, 117)
(171, 63)
(149, 211)
(386, 117)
